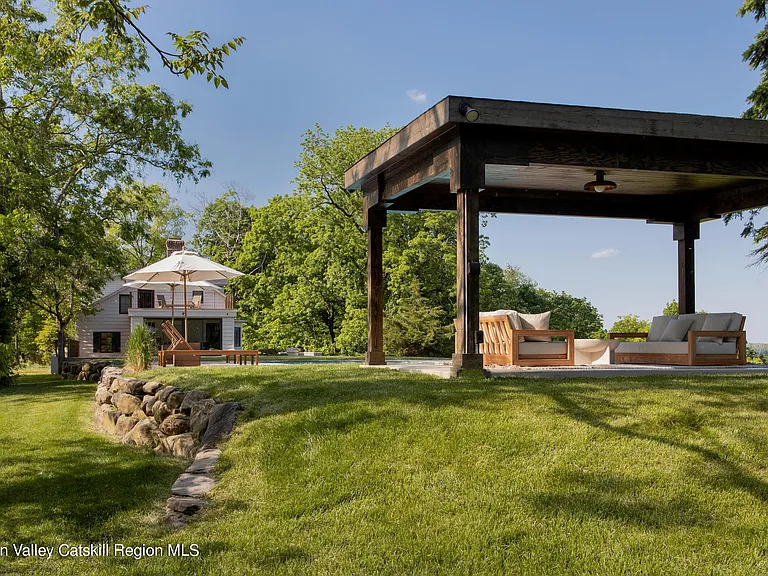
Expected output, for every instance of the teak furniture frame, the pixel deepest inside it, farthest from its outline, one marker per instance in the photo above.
(180, 356)
(501, 344)
(691, 358)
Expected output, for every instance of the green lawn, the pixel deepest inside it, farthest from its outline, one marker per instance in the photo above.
(340, 470)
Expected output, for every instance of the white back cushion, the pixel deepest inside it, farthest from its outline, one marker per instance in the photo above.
(734, 325)
(676, 330)
(698, 322)
(658, 325)
(715, 322)
(536, 322)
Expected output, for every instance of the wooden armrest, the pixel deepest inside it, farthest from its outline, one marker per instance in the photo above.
(566, 333)
(614, 335)
(693, 334)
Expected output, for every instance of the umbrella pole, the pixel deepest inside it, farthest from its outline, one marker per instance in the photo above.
(186, 334)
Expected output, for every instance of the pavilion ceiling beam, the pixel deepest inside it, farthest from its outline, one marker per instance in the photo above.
(727, 201)
(418, 171)
(606, 151)
(503, 200)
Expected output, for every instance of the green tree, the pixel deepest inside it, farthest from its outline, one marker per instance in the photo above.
(413, 327)
(119, 22)
(578, 314)
(496, 293)
(671, 309)
(74, 121)
(756, 56)
(221, 226)
(142, 217)
(630, 323)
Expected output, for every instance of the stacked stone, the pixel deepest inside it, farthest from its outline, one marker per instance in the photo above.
(146, 413)
(83, 370)
(190, 424)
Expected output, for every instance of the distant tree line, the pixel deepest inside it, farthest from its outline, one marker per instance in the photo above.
(304, 255)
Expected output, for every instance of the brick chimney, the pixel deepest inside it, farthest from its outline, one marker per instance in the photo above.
(173, 245)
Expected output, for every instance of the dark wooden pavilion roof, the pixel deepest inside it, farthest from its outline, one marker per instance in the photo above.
(535, 159)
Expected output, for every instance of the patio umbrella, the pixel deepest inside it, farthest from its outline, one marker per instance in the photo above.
(172, 286)
(186, 266)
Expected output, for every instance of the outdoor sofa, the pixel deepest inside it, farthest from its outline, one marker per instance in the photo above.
(688, 340)
(523, 340)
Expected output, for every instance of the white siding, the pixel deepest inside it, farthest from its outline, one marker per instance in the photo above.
(227, 333)
(107, 319)
(238, 324)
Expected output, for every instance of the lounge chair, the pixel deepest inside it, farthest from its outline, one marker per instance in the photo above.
(161, 303)
(523, 340)
(178, 342)
(197, 301)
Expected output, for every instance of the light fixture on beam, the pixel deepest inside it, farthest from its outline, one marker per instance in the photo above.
(600, 184)
(468, 112)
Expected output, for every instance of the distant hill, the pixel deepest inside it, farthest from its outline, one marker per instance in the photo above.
(758, 347)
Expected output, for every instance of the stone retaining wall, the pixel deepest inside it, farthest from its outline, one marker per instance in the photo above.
(83, 369)
(173, 421)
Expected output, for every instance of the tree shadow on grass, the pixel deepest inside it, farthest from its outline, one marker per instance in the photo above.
(604, 496)
(79, 488)
(627, 500)
(74, 482)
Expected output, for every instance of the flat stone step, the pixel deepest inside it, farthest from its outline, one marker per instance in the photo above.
(205, 461)
(185, 504)
(193, 485)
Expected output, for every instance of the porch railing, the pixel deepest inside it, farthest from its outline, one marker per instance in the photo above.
(161, 299)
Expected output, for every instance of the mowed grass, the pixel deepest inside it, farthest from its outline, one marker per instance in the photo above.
(340, 470)
(62, 482)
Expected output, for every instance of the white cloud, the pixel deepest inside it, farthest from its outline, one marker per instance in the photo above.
(605, 253)
(417, 95)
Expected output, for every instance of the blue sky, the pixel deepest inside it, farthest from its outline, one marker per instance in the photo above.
(371, 63)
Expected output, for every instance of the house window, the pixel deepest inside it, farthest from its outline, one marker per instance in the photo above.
(146, 298)
(238, 337)
(106, 342)
(198, 293)
(125, 303)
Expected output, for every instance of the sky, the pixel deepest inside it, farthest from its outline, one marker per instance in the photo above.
(373, 63)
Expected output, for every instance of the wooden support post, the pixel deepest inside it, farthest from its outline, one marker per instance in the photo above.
(685, 233)
(375, 221)
(467, 354)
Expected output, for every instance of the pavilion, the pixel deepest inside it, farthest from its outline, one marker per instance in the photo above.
(477, 155)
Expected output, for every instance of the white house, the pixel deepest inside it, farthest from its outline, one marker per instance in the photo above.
(211, 317)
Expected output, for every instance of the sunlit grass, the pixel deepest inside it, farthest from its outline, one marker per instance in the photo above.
(339, 470)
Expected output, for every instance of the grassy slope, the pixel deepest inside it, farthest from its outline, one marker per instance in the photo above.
(343, 470)
(62, 482)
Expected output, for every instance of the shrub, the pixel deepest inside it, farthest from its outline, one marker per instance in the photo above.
(141, 349)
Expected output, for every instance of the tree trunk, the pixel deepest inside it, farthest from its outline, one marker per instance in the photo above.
(60, 347)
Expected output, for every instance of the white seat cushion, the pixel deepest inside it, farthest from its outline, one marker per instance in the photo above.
(676, 347)
(542, 348)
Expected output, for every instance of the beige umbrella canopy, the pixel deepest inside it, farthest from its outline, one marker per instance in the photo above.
(185, 266)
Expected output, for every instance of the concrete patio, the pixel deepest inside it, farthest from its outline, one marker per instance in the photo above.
(442, 368)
